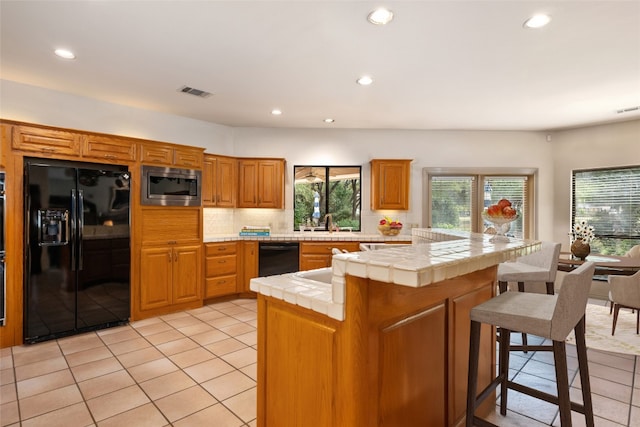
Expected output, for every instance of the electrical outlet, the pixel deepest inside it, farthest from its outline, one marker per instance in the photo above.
(413, 225)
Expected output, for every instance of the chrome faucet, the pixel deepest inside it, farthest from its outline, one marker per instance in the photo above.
(328, 222)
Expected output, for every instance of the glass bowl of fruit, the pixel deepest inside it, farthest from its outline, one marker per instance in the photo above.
(501, 215)
(389, 227)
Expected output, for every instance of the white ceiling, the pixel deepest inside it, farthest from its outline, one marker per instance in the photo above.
(438, 65)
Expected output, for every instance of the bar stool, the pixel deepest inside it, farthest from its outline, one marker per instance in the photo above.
(548, 316)
(540, 266)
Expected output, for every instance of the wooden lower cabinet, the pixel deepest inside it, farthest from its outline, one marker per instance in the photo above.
(398, 359)
(171, 274)
(318, 254)
(249, 269)
(220, 269)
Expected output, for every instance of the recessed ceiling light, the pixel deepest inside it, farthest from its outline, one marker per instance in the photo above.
(380, 16)
(329, 120)
(64, 53)
(537, 21)
(276, 112)
(365, 80)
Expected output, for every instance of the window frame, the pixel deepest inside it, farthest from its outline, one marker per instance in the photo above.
(595, 246)
(326, 196)
(530, 222)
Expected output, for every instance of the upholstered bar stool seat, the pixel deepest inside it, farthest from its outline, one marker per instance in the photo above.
(540, 266)
(548, 316)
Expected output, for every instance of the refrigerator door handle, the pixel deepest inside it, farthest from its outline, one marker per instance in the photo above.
(74, 217)
(80, 226)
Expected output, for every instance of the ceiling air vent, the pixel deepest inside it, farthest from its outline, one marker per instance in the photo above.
(194, 92)
(628, 110)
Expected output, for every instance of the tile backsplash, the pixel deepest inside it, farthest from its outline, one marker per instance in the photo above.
(230, 221)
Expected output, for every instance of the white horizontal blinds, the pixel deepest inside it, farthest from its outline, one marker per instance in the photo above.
(609, 199)
(452, 202)
(514, 189)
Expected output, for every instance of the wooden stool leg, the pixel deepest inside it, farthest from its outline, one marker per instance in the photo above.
(562, 382)
(583, 366)
(502, 287)
(524, 336)
(550, 288)
(616, 310)
(472, 379)
(505, 336)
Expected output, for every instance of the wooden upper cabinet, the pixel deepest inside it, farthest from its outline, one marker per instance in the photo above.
(390, 182)
(157, 154)
(45, 141)
(108, 148)
(186, 157)
(170, 155)
(5, 138)
(261, 183)
(219, 175)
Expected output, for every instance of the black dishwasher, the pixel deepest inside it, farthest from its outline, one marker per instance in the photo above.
(277, 258)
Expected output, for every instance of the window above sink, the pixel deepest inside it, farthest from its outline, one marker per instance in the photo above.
(322, 190)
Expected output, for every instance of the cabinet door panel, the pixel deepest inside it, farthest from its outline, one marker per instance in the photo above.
(47, 141)
(191, 159)
(406, 349)
(269, 184)
(390, 184)
(156, 153)
(247, 181)
(156, 267)
(226, 178)
(208, 181)
(186, 273)
(107, 148)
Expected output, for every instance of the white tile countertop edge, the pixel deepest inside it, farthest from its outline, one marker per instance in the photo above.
(310, 237)
(447, 254)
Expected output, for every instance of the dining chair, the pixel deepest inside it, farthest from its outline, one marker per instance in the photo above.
(547, 316)
(634, 252)
(625, 293)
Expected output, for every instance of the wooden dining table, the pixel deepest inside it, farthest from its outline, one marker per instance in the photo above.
(605, 264)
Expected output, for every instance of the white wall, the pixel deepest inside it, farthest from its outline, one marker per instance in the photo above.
(590, 147)
(43, 106)
(299, 146)
(426, 148)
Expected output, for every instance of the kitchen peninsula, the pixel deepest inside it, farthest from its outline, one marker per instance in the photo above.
(381, 337)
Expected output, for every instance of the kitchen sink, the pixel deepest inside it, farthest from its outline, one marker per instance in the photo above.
(323, 275)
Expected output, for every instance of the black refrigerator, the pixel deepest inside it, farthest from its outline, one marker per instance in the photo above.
(77, 248)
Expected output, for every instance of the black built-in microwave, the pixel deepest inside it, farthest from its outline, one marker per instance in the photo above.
(171, 186)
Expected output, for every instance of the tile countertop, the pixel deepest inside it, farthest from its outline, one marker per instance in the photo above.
(445, 255)
(341, 236)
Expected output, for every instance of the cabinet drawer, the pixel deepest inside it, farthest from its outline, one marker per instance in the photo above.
(215, 249)
(48, 141)
(156, 153)
(218, 286)
(220, 265)
(326, 247)
(104, 148)
(191, 159)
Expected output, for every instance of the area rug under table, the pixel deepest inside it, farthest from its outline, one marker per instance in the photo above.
(598, 331)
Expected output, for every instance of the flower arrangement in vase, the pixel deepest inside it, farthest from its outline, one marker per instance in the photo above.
(583, 234)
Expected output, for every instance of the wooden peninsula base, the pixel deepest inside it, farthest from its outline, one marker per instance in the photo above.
(399, 358)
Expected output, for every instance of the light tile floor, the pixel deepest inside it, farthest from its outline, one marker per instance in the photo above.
(198, 367)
